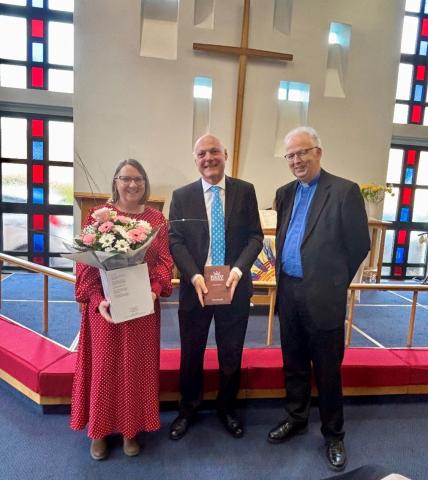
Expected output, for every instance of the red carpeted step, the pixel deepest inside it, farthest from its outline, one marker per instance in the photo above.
(47, 368)
(417, 360)
(374, 367)
(25, 354)
(264, 368)
(57, 379)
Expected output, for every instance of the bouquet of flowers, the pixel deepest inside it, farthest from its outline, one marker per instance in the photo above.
(117, 245)
(112, 241)
(375, 193)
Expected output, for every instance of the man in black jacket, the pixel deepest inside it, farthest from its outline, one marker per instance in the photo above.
(192, 247)
(322, 237)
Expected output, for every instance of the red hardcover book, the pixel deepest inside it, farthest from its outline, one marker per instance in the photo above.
(215, 281)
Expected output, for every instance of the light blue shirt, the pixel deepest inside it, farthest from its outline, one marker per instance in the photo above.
(291, 260)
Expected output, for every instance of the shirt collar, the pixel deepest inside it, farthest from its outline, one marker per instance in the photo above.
(206, 186)
(313, 182)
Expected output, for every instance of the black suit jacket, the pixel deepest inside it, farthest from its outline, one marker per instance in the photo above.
(189, 235)
(335, 242)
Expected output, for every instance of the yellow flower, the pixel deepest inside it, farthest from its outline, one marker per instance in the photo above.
(373, 192)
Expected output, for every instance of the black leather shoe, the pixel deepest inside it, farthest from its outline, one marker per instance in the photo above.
(336, 455)
(285, 430)
(232, 424)
(178, 428)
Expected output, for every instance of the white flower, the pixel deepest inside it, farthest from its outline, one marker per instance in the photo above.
(121, 230)
(106, 240)
(122, 246)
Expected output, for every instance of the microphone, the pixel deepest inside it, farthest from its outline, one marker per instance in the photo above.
(188, 220)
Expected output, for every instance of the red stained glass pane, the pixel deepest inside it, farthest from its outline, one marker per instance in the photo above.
(420, 72)
(37, 77)
(424, 30)
(411, 157)
(402, 235)
(398, 271)
(39, 260)
(37, 28)
(407, 195)
(38, 173)
(416, 114)
(37, 128)
(38, 222)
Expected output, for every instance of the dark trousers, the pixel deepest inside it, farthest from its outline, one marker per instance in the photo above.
(303, 343)
(230, 328)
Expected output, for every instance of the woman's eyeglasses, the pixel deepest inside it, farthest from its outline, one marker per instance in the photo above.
(128, 180)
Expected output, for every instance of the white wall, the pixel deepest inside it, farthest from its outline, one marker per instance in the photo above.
(126, 105)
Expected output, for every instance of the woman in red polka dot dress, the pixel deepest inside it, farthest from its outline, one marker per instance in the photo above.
(116, 383)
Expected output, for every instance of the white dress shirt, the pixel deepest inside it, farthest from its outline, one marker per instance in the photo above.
(208, 197)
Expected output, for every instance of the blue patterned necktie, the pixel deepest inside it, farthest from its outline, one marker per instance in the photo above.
(217, 227)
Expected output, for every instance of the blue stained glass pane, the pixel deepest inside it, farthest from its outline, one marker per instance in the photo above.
(37, 150)
(399, 255)
(426, 7)
(423, 47)
(419, 90)
(37, 52)
(37, 3)
(38, 242)
(38, 196)
(404, 215)
(408, 177)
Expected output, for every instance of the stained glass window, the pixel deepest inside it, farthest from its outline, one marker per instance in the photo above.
(37, 44)
(407, 210)
(408, 164)
(36, 188)
(411, 94)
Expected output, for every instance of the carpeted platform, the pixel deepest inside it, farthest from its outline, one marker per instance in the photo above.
(43, 369)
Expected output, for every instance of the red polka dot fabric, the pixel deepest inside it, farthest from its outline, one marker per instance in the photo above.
(116, 383)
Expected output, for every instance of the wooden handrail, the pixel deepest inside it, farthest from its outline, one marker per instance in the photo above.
(412, 287)
(47, 272)
(34, 267)
(407, 287)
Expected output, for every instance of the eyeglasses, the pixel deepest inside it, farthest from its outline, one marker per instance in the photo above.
(301, 153)
(128, 180)
(212, 151)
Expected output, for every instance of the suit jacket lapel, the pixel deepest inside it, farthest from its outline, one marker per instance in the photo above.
(198, 200)
(229, 199)
(320, 197)
(289, 202)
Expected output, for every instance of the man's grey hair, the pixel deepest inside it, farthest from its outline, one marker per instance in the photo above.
(309, 130)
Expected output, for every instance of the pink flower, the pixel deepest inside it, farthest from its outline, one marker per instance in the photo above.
(89, 239)
(123, 219)
(136, 235)
(147, 228)
(105, 227)
(101, 215)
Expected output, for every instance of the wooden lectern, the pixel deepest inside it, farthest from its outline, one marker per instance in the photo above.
(87, 200)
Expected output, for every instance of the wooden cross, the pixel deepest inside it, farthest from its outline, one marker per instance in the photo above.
(244, 52)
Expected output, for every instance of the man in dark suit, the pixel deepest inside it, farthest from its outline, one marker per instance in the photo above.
(322, 237)
(191, 222)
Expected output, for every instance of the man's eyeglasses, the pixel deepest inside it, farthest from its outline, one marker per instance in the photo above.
(213, 151)
(127, 180)
(301, 153)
